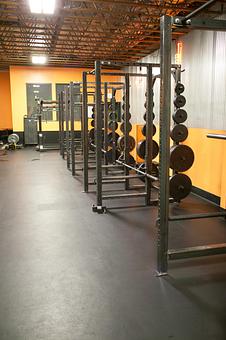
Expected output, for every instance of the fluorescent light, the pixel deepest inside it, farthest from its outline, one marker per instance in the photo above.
(36, 85)
(35, 6)
(39, 59)
(48, 6)
(36, 91)
(42, 6)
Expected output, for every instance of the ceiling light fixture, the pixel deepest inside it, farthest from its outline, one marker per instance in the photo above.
(39, 59)
(42, 6)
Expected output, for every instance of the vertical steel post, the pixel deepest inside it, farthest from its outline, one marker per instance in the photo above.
(85, 140)
(165, 97)
(113, 103)
(72, 116)
(106, 123)
(63, 121)
(149, 134)
(67, 126)
(126, 128)
(60, 122)
(98, 138)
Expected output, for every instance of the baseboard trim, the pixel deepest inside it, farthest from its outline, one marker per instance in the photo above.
(207, 195)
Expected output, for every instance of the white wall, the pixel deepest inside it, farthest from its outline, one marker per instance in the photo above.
(204, 61)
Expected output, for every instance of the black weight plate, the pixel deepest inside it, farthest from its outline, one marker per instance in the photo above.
(153, 116)
(112, 116)
(179, 133)
(92, 133)
(141, 148)
(93, 116)
(179, 101)
(132, 161)
(143, 130)
(179, 88)
(110, 138)
(92, 123)
(122, 127)
(124, 106)
(93, 108)
(121, 143)
(180, 116)
(181, 158)
(112, 125)
(124, 116)
(180, 186)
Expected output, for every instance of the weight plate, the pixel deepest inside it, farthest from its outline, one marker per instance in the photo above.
(112, 125)
(179, 101)
(112, 116)
(153, 116)
(141, 148)
(181, 158)
(121, 143)
(180, 186)
(179, 133)
(143, 130)
(132, 161)
(180, 116)
(179, 88)
(122, 127)
(145, 104)
(93, 108)
(124, 106)
(92, 123)
(124, 116)
(93, 116)
(92, 133)
(110, 138)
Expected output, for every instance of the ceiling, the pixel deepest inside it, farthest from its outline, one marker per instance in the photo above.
(81, 32)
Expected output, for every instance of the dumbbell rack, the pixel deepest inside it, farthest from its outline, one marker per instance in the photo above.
(164, 254)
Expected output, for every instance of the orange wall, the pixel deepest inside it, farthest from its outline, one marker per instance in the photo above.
(5, 100)
(209, 169)
(19, 76)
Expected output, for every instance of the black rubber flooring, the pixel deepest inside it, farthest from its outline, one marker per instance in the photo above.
(67, 273)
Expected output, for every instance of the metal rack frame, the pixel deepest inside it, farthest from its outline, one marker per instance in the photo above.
(164, 254)
(99, 207)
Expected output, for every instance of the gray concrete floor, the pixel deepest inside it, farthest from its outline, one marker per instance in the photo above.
(67, 273)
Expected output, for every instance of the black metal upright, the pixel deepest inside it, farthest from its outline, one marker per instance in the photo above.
(85, 142)
(67, 126)
(149, 135)
(106, 124)
(98, 139)
(72, 116)
(165, 104)
(126, 127)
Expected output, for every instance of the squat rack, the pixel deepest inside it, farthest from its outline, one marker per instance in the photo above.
(149, 131)
(164, 254)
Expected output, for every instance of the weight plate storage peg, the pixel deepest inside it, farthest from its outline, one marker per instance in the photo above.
(181, 158)
(112, 125)
(179, 88)
(143, 130)
(180, 116)
(121, 143)
(179, 101)
(179, 133)
(141, 148)
(180, 186)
